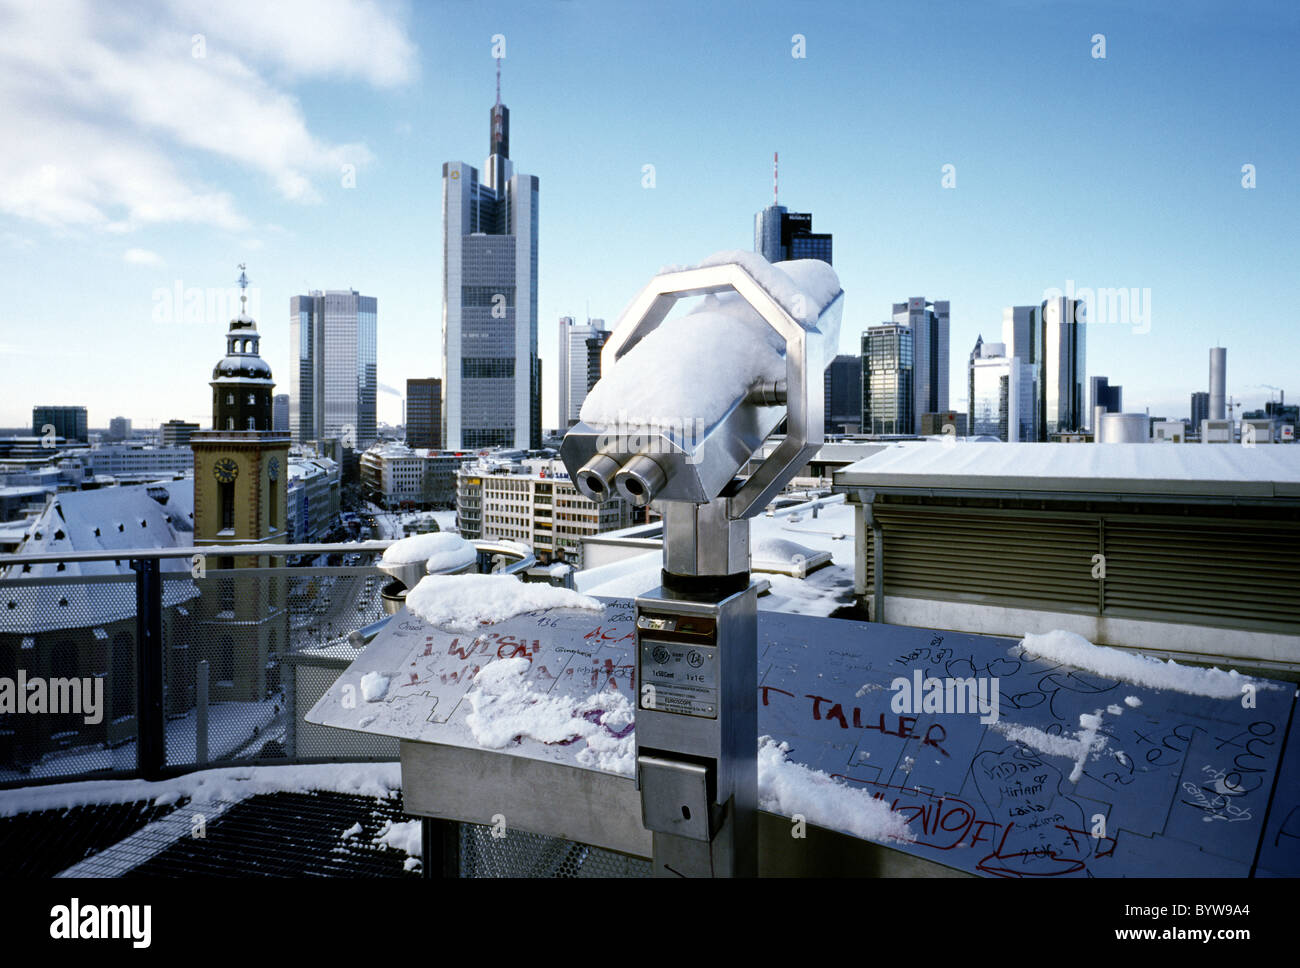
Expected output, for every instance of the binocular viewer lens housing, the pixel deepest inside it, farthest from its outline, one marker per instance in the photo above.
(638, 480)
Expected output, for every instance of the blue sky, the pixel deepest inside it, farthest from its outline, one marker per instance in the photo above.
(139, 166)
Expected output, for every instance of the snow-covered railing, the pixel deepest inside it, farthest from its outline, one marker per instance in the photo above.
(234, 550)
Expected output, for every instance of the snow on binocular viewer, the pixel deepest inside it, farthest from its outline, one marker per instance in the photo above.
(684, 402)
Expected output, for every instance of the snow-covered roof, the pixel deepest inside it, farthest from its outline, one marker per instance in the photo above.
(105, 519)
(820, 593)
(1224, 470)
(303, 468)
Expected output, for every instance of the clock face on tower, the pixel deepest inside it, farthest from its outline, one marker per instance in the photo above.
(225, 470)
(273, 469)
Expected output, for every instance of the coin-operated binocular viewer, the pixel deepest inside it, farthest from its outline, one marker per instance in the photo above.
(681, 411)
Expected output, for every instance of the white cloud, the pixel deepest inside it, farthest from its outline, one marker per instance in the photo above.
(141, 257)
(358, 39)
(110, 109)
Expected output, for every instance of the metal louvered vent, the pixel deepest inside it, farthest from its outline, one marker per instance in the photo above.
(1221, 572)
(1227, 574)
(976, 556)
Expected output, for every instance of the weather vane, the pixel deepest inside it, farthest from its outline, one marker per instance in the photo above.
(243, 287)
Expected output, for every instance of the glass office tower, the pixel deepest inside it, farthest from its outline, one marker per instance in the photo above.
(334, 384)
(491, 376)
(781, 235)
(580, 348)
(928, 322)
(1063, 394)
(888, 387)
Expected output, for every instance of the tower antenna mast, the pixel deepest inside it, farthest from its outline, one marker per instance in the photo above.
(775, 159)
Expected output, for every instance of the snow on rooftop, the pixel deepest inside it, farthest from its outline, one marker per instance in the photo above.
(1074, 650)
(106, 519)
(779, 549)
(461, 603)
(731, 346)
(821, 593)
(1268, 469)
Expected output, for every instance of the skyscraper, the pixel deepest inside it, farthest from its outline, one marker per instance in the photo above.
(888, 389)
(334, 382)
(928, 322)
(580, 348)
(1218, 382)
(1022, 337)
(424, 414)
(1064, 368)
(1102, 394)
(491, 376)
(842, 393)
(781, 235)
(595, 346)
(1001, 391)
(975, 354)
(1200, 409)
(1050, 338)
(280, 412)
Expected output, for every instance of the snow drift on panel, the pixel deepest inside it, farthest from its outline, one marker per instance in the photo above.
(461, 603)
(1074, 650)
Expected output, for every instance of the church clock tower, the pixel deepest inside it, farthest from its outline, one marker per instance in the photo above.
(241, 477)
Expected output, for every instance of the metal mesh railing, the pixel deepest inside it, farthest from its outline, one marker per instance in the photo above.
(521, 854)
(244, 654)
(69, 648)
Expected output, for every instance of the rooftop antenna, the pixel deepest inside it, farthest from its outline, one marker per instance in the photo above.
(498, 82)
(243, 289)
(774, 165)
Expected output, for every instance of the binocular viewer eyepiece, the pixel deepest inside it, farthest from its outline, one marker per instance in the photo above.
(639, 480)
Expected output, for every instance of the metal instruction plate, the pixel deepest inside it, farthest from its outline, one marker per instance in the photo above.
(679, 678)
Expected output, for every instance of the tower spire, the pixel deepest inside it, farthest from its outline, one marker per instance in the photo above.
(499, 143)
(775, 158)
(243, 290)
